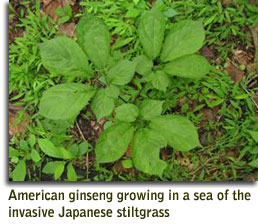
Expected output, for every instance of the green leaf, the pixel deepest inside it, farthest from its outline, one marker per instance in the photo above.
(121, 73)
(126, 112)
(32, 140)
(254, 135)
(19, 172)
(184, 38)
(170, 12)
(59, 171)
(84, 147)
(149, 76)
(190, 66)
(151, 32)
(13, 152)
(120, 42)
(35, 156)
(179, 131)
(159, 4)
(49, 149)
(94, 38)
(160, 81)
(113, 142)
(65, 101)
(150, 109)
(71, 174)
(50, 167)
(145, 151)
(143, 64)
(102, 104)
(112, 91)
(254, 163)
(127, 163)
(132, 13)
(64, 13)
(74, 149)
(62, 55)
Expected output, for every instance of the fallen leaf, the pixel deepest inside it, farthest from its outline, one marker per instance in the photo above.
(51, 5)
(226, 2)
(181, 101)
(235, 74)
(207, 53)
(241, 57)
(185, 162)
(17, 127)
(253, 2)
(251, 67)
(67, 29)
(204, 139)
(46, 2)
(98, 127)
(208, 115)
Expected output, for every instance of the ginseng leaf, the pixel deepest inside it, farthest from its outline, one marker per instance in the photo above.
(127, 112)
(143, 64)
(151, 32)
(179, 132)
(146, 147)
(150, 109)
(62, 55)
(102, 104)
(94, 38)
(113, 142)
(160, 81)
(121, 73)
(65, 101)
(184, 38)
(190, 66)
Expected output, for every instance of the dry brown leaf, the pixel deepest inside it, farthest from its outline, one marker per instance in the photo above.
(67, 29)
(208, 115)
(226, 2)
(46, 2)
(181, 101)
(21, 127)
(241, 57)
(207, 53)
(98, 127)
(253, 2)
(185, 162)
(235, 74)
(51, 5)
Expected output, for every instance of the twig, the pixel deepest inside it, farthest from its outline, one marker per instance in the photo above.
(87, 154)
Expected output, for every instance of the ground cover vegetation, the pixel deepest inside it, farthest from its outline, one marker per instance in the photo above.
(133, 90)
